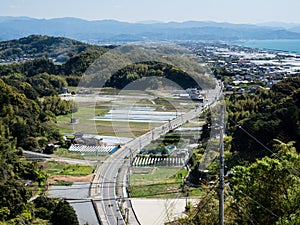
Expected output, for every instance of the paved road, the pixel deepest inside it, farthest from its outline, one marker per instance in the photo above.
(115, 168)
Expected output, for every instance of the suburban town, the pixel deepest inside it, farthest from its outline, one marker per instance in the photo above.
(243, 66)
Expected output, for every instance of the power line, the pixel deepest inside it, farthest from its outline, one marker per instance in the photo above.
(222, 166)
(266, 209)
(252, 220)
(209, 196)
(256, 202)
(268, 149)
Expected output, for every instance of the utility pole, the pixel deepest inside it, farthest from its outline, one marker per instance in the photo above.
(127, 215)
(130, 157)
(221, 182)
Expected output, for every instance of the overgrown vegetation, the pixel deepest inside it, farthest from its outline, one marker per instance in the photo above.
(20, 179)
(29, 106)
(56, 168)
(262, 156)
(159, 183)
(30, 121)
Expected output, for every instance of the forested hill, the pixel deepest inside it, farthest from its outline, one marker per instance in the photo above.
(29, 106)
(43, 52)
(60, 49)
(262, 159)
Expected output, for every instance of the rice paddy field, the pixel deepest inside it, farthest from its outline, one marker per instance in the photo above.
(131, 114)
(128, 114)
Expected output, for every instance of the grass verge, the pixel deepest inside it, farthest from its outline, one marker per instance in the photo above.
(159, 183)
(58, 168)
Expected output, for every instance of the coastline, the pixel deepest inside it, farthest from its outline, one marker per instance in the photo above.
(284, 45)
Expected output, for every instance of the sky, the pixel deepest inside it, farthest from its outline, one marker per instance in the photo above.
(234, 11)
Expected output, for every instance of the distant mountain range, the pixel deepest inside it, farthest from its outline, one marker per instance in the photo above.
(116, 31)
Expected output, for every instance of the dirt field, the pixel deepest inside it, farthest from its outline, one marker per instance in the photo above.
(68, 178)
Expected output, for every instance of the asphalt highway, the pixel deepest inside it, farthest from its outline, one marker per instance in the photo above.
(111, 176)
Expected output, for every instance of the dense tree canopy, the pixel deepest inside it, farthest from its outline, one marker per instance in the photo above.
(262, 159)
(263, 192)
(156, 70)
(78, 58)
(266, 116)
(25, 123)
(268, 190)
(30, 120)
(37, 46)
(64, 214)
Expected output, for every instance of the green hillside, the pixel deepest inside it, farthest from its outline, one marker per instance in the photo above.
(28, 122)
(43, 52)
(60, 49)
(262, 161)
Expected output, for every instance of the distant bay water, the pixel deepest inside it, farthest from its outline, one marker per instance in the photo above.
(291, 46)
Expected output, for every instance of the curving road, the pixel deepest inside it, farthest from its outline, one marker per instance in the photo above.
(111, 176)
